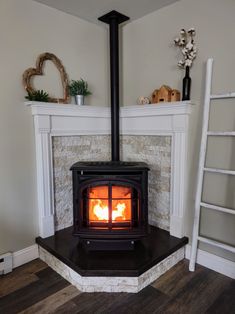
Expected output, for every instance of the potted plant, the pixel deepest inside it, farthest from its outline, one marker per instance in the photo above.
(37, 95)
(79, 89)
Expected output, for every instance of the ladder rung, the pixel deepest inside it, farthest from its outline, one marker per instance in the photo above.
(215, 170)
(227, 133)
(218, 208)
(222, 96)
(218, 244)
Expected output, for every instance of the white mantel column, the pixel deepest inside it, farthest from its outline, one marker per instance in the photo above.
(45, 197)
(179, 165)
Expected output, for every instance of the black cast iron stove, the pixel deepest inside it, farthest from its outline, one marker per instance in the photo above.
(110, 199)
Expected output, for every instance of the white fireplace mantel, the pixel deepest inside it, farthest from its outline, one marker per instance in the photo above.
(166, 119)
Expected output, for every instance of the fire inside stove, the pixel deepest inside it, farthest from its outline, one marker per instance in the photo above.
(110, 204)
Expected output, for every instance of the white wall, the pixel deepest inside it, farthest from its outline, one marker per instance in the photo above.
(150, 60)
(27, 29)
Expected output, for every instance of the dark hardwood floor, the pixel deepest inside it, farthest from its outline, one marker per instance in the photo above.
(36, 288)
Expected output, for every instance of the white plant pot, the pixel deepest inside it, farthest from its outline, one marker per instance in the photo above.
(79, 99)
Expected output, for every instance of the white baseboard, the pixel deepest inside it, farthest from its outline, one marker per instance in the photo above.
(214, 262)
(26, 255)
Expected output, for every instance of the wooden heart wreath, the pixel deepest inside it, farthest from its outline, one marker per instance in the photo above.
(29, 73)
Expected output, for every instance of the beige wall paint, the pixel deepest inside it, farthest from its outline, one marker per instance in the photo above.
(150, 60)
(27, 29)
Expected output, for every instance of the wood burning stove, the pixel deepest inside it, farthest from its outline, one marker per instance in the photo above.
(110, 199)
(110, 202)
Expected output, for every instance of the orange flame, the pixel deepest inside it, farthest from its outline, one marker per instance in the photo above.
(99, 209)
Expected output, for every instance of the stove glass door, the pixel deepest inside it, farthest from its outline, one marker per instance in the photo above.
(110, 204)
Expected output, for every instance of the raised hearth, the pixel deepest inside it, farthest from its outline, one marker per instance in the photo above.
(127, 271)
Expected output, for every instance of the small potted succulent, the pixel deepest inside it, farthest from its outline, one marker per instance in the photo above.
(37, 95)
(79, 89)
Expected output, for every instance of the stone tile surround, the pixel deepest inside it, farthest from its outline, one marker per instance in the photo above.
(152, 149)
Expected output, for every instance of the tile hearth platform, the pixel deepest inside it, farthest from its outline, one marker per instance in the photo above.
(112, 271)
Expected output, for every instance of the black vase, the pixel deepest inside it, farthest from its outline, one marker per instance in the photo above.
(186, 85)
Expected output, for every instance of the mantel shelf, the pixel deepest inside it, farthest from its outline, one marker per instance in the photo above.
(168, 108)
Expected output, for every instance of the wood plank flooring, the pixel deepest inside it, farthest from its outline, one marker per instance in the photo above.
(36, 288)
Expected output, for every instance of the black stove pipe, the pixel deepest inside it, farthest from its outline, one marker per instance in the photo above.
(114, 18)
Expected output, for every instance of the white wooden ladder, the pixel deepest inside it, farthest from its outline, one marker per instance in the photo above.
(201, 169)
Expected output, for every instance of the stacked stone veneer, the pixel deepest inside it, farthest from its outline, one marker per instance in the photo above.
(154, 150)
